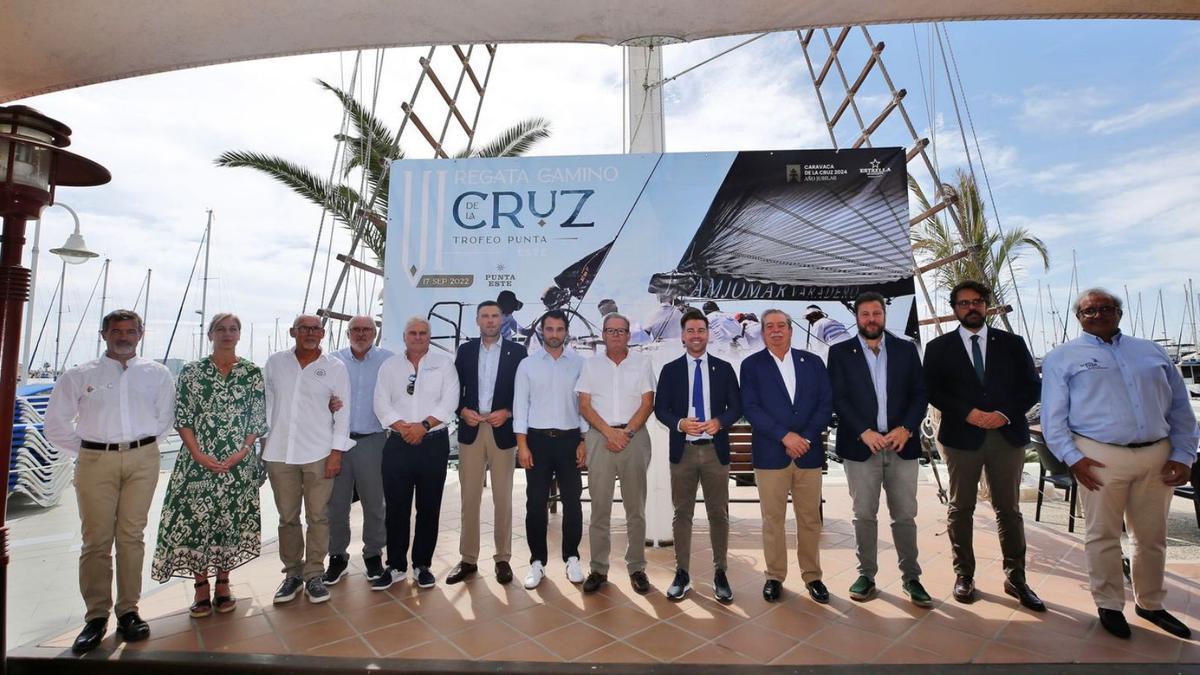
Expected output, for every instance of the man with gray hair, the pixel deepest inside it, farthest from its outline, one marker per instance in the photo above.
(303, 453)
(616, 397)
(1116, 410)
(417, 393)
(362, 472)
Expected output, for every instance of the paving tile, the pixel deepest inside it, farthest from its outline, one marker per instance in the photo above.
(712, 654)
(353, 647)
(900, 653)
(316, 634)
(848, 642)
(434, 649)
(621, 621)
(759, 644)
(617, 652)
(526, 650)
(538, 619)
(953, 646)
(665, 641)
(572, 641)
(234, 631)
(998, 652)
(398, 637)
(1032, 636)
(185, 642)
(367, 619)
(485, 637)
(806, 654)
(791, 622)
(260, 644)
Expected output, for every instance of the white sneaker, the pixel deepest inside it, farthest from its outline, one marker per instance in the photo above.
(574, 570)
(536, 572)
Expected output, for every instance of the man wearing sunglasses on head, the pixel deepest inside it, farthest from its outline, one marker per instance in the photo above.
(1116, 410)
(983, 381)
(417, 392)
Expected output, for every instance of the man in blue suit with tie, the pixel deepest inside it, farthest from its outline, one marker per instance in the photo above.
(879, 396)
(698, 400)
(787, 398)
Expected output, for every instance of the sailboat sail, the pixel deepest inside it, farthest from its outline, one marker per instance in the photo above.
(801, 225)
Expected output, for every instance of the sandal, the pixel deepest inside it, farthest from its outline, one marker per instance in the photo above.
(201, 608)
(224, 603)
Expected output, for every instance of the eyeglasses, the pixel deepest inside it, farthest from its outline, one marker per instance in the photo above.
(616, 331)
(1092, 312)
(964, 304)
(362, 329)
(310, 329)
(412, 384)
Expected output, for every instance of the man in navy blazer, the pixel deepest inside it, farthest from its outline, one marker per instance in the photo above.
(983, 381)
(698, 400)
(487, 370)
(879, 397)
(787, 399)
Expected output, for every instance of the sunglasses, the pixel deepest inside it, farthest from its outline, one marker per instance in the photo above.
(412, 384)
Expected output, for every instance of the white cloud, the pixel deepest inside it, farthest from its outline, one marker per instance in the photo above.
(1147, 113)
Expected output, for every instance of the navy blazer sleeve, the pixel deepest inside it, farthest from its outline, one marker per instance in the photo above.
(1029, 385)
(664, 396)
(752, 403)
(733, 398)
(849, 419)
(822, 413)
(464, 377)
(936, 378)
(918, 398)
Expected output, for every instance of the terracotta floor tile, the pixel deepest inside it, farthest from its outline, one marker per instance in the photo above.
(526, 650)
(900, 653)
(806, 654)
(398, 637)
(295, 615)
(485, 637)
(316, 634)
(710, 654)
(707, 620)
(235, 631)
(848, 642)
(665, 641)
(791, 622)
(953, 646)
(170, 625)
(184, 642)
(346, 597)
(621, 621)
(617, 652)
(760, 644)
(260, 644)
(353, 647)
(579, 605)
(368, 619)
(538, 619)
(998, 652)
(572, 641)
(1035, 638)
(434, 649)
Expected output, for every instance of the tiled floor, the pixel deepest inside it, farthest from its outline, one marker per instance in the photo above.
(484, 620)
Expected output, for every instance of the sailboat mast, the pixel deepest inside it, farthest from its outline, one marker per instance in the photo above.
(103, 297)
(146, 307)
(204, 280)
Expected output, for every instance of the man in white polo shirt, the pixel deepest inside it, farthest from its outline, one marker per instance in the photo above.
(111, 412)
(303, 453)
(616, 397)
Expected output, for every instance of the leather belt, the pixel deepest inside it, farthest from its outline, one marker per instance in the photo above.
(1126, 445)
(92, 445)
(357, 436)
(554, 433)
(700, 441)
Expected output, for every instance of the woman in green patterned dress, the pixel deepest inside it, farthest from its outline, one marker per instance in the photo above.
(210, 517)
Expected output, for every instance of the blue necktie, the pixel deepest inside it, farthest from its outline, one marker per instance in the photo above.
(698, 392)
(977, 356)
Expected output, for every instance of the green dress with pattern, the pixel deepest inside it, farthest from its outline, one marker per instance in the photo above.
(211, 521)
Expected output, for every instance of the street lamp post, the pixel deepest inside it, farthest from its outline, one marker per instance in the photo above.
(33, 162)
(75, 252)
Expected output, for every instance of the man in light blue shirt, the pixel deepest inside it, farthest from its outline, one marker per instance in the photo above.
(1115, 409)
(550, 445)
(362, 471)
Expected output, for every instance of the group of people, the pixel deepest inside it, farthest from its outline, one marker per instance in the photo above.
(364, 421)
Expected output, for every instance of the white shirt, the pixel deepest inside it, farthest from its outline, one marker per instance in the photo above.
(489, 366)
(663, 324)
(435, 390)
(544, 392)
(752, 334)
(616, 389)
(103, 402)
(302, 428)
(966, 338)
(723, 328)
(788, 370)
(705, 384)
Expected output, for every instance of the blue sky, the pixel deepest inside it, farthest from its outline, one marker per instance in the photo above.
(1089, 131)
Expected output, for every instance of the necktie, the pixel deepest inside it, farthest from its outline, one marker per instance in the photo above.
(698, 392)
(977, 356)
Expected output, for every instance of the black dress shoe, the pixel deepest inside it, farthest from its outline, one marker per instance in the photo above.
(772, 590)
(594, 581)
(721, 589)
(964, 589)
(818, 592)
(1025, 594)
(1164, 620)
(1114, 622)
(132, 628)
(461, 572)
(640, 583)
(91, 635)
(504, 572)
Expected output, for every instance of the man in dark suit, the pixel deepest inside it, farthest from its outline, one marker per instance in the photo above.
(698, 400)
(487, 369)
(879, 397)
(983, 381)
(787, 399)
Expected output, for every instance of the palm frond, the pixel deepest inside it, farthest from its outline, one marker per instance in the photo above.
(339, 200)
(514, 141)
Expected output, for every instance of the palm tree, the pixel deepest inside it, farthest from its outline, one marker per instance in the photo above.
(371, 152)
(992, 252)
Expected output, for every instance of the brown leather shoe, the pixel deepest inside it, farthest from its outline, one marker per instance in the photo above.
(504, 573)
(964, 589)
(1025, 594)
(461, 572)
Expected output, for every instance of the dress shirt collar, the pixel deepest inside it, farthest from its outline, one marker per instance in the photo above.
(966, 334)
(1096, 339)
(495, 345)
(787, 357)
(867, 348)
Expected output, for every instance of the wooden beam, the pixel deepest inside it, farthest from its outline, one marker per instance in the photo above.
(933, 210)
(942, 261)
(445, 95)
(359, 264)
(916, 149)
(412, 115)
(992, 311)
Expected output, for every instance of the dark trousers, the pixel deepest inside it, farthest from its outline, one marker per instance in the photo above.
(553, 458)
(410, 470)
(1004, 464)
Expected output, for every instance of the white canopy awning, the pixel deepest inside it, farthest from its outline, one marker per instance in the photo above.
(58, 44)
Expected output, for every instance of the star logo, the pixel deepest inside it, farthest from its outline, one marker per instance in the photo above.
(874, 165)
(500, 267)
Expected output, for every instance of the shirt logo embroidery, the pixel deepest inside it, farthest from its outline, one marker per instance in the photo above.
(1094, 364)
(320, 372)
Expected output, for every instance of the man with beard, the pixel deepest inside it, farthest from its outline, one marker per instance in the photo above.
(879, 397)
(111, 413)
(362, 471)
(550, 445)
(983, 381)
(1116, 410)
(787, 399)
(487, 370)
(415, 396)
(616, 397)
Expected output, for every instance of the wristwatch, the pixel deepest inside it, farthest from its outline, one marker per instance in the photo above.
(425, 423)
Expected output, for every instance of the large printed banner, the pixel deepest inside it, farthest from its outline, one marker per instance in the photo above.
(731, 233)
